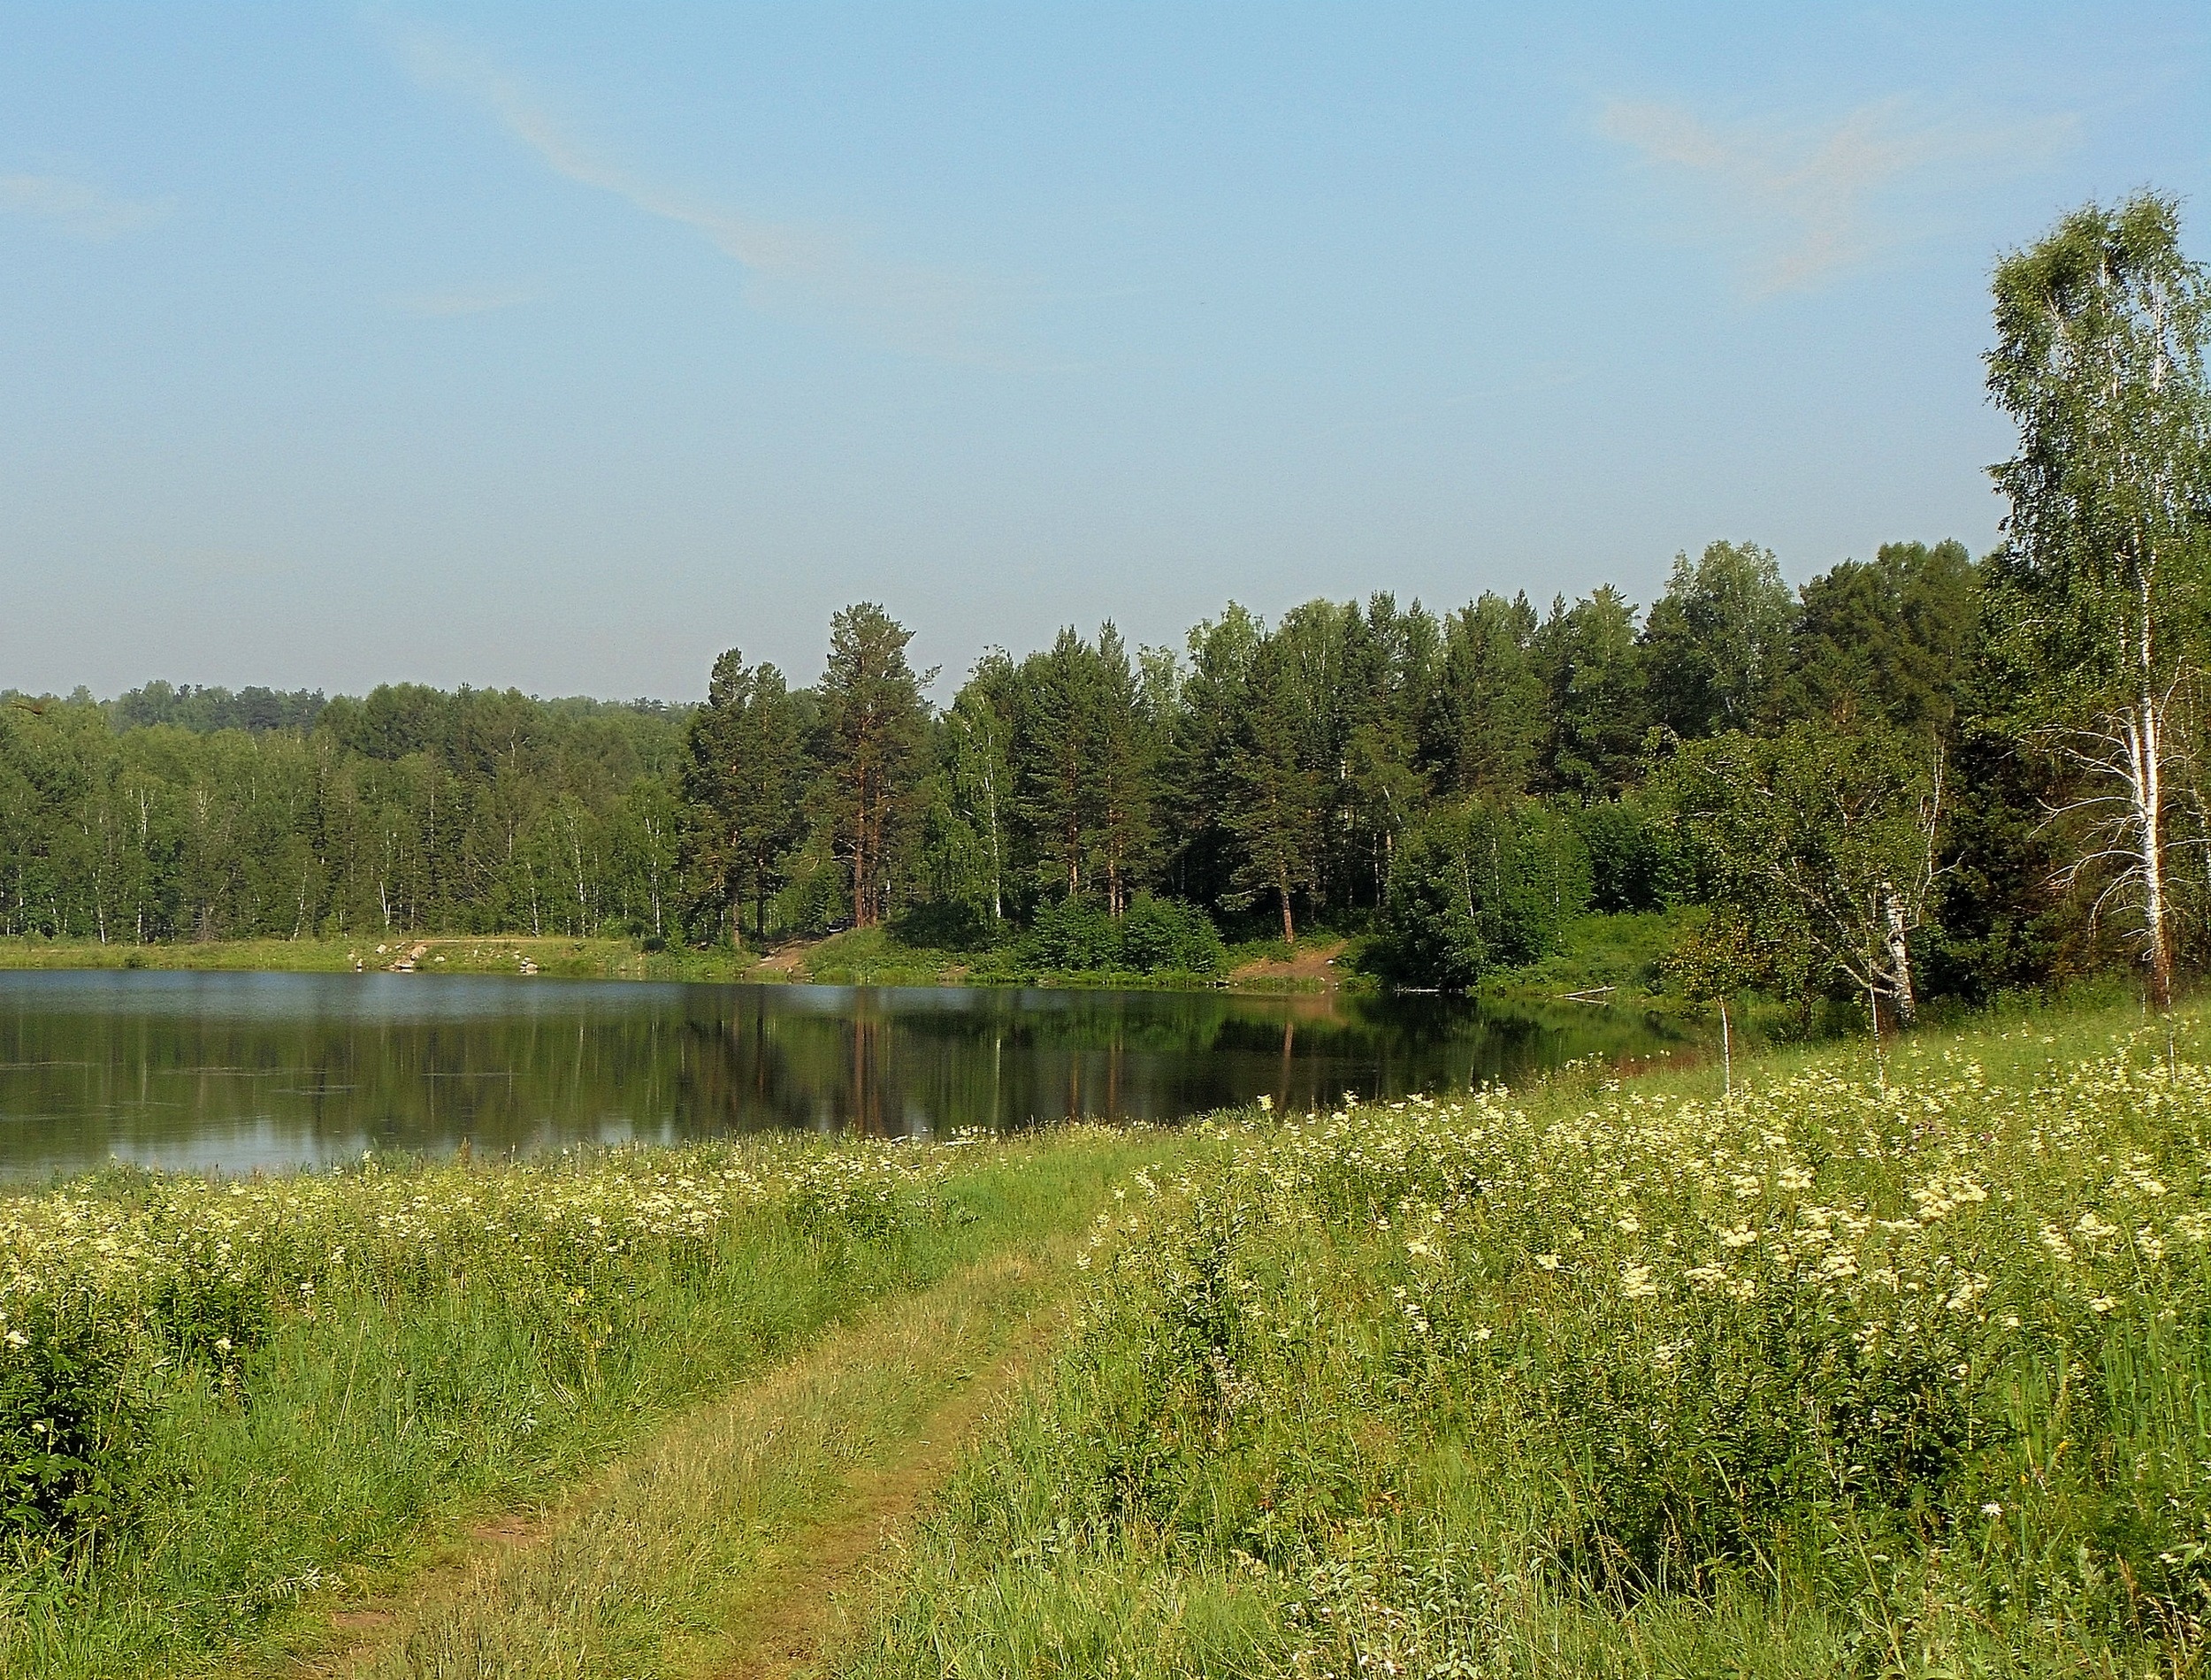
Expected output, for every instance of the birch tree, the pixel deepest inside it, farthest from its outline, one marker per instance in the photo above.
(2099, 359)
(1821, 841)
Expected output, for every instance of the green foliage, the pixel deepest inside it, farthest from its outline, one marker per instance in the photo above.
(1635, 864)
(1599, 705)
(1822, 845)
(2099, 595)
(2100, 330)
(1166, 935)
(1156, 935)
(1480, 886)
(872, 741)
(72, 1411)
(1484, 727)
(205, 710)
(1892, 640)
(1278, 786)
(744, 792)
(1715, 649)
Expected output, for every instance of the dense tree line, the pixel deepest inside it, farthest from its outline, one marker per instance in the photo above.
(1460, 783)
(1916, 773)
(409, 811)
(1463, 784)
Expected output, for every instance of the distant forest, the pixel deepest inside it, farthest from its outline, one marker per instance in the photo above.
(1916, 774)
(1270, 775)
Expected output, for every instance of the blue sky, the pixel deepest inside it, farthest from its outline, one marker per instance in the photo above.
(566, 347)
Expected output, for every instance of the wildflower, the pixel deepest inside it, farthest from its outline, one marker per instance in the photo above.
(1548, 1262)
(2102, 1304)
(1635, 1282)
(1267, 1104)
(17, 1339)
(1991, 1510)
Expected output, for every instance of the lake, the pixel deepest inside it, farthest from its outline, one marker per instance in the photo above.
(242, 1072)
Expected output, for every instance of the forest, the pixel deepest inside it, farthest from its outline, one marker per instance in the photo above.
(1916, 774)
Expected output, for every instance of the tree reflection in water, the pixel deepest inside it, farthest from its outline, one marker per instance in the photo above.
(246, 1071)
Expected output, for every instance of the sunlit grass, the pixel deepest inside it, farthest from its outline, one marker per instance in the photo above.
(1841, 1376)
(223, 1404)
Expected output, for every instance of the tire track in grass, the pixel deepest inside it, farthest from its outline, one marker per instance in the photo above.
(743, 1539)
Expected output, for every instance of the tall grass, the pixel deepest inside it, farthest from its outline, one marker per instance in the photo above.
(222, 1402)
(1836, 1376)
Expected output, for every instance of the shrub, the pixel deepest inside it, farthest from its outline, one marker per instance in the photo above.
(71, 1411)
(1480, 886)
(1073, 933)
(1634, 863)
(1155, 936)
(1166, 935)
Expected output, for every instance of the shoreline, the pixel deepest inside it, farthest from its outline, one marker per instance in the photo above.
(563, 958)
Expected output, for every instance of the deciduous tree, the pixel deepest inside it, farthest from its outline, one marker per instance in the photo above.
(2100, 329)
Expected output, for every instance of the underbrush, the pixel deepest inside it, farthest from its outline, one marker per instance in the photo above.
(1834, 1377)
(222, 1400)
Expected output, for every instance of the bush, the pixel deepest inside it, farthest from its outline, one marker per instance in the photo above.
(70, 1412)
(1166, 935)
(1477, 887)
(1156, 935)
(947, 924)
(1073, 933)
(1634, 863)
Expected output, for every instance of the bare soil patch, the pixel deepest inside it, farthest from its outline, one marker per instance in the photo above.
(1312, 959)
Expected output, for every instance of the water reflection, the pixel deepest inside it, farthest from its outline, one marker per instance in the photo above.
(243, 1071)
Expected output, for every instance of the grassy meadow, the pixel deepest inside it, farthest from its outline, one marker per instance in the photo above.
(227, 1407)
(1856, 1370)
(1835, 1376)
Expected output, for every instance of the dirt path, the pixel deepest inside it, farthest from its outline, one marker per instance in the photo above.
(747, 1539)
(1311, 959)
(786, 960)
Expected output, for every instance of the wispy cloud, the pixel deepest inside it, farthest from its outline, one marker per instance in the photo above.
(444, 305)
(78, 207)
(791, 269)
(1798, 203)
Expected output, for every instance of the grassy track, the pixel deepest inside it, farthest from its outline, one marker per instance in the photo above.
(263, 1398)
(737, 1540)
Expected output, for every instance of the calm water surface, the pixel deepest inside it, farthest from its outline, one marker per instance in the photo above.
(246, 1071)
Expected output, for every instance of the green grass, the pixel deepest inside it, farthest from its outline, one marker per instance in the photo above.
(1864, 1371)
(449, 954)
(1843, 1376)
(726, 1533)
(269, 1394)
